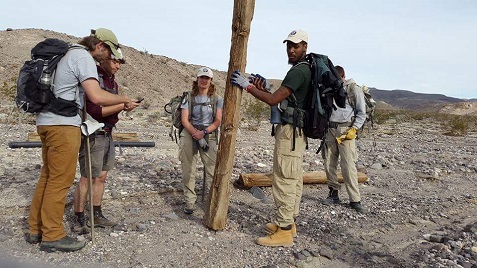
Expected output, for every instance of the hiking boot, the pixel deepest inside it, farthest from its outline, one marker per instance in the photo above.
(271, 228)
(64, 244)
(79, 226)
(281, 238)
(189, 208)
(33, 238)
(332, 197)
(101, 221)
(358, 207)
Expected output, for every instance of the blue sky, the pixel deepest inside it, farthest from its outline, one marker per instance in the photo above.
(426, 46)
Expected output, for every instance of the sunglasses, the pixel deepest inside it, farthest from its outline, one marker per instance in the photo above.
(116, 46)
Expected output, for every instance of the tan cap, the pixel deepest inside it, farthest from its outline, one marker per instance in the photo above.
(296, 36)
(109, 38)
(204, 71)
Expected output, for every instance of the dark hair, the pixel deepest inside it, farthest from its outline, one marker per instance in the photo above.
(195, 89)
(340, 70)
(89, 42)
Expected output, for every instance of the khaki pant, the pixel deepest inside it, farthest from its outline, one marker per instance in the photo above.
(188, 151)
(60, 147)
(331, 153)
(287, 183)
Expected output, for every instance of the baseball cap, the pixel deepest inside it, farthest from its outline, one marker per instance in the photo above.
(120, 59)
(109, 38)
(296, 36)
(204, 71)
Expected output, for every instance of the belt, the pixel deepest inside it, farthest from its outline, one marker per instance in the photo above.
(102, 133)
(336, 124)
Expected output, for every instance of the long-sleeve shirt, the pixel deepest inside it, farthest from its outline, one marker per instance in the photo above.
(350, 113)
(107, 82)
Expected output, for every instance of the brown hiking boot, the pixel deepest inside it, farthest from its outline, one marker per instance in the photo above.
(271, 228)
(101, 221)
(65, 244)
(281, 238)
(79, 226)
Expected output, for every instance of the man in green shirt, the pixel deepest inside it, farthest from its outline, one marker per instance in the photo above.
(287, 182)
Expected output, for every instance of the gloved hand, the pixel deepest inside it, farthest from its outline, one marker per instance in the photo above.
(261, 82)
(349, 135)
(203, 144)
(240, 80)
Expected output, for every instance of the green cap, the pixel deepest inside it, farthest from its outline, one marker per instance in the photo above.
(109, 38)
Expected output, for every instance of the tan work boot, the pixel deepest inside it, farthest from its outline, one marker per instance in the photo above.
(271, 228)
(281, 238)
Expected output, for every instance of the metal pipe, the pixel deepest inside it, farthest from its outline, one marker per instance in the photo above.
(37, 144)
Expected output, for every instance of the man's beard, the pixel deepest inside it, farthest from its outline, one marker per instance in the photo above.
(297, 61)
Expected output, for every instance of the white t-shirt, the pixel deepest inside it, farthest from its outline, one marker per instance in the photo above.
(75, 67)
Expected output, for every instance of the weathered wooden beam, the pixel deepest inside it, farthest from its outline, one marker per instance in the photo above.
(217, 206)
(247, 180)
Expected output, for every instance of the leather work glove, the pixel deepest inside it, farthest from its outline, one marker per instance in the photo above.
(260, 82)
(240, 80)
(203, 144)
(349, 135)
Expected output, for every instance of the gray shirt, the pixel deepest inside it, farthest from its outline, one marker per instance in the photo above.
(343, 115)
(75, 67)
(202, 113)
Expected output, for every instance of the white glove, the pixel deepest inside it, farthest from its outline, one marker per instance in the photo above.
(240, 80)
(203, 144)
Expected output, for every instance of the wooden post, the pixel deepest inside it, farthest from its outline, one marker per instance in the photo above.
(217, 205)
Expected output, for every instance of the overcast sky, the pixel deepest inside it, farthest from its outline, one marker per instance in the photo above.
(427, 46)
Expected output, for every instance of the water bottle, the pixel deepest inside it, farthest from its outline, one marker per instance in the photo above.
(275, 115)
(44, 85)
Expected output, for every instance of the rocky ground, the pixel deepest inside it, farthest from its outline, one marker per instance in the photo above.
(422, 196)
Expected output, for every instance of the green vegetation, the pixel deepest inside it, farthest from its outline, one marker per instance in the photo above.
(451, 125)
(254, 112)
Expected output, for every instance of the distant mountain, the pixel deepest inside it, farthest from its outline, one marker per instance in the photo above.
(411, 100)
(158, 78)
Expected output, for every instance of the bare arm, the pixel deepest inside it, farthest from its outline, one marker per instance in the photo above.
(217, 121)
(186, 123)
(271, 99)
(102, 97)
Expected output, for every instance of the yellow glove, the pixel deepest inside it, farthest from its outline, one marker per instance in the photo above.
(349, 135)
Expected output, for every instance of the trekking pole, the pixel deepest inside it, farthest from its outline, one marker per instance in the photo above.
(89, 174)
(90, 187)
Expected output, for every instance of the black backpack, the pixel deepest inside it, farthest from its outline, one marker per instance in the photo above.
(325, 86)
(34, 84)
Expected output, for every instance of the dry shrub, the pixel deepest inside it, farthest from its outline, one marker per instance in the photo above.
(255, 111)
(458, 125)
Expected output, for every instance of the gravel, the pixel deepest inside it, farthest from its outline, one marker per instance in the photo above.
(421, 192)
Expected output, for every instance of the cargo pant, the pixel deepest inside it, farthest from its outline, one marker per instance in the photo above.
(347, 155)
(287, 183)
(188, 154)
(60, 147)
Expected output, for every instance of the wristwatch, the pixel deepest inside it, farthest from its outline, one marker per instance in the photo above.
(205, 131)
